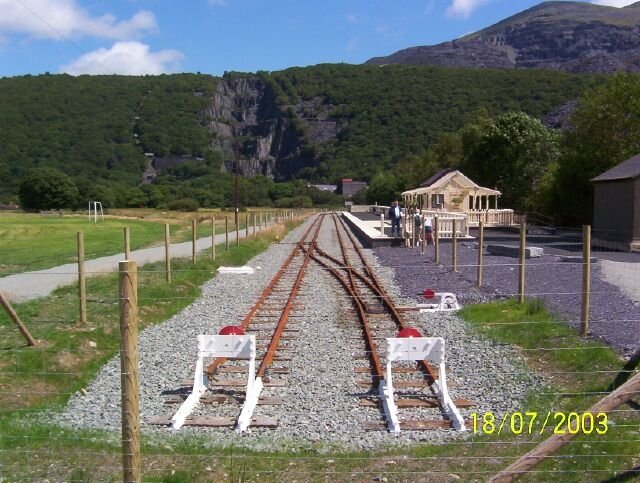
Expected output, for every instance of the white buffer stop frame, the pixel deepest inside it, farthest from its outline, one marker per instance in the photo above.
(229, 347)
(442, 302)
(417, 349)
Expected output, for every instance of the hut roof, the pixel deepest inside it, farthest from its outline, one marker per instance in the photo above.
(440, 174)
(626, 170)
(447, 178)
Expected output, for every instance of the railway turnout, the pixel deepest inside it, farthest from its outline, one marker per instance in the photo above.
(403, 373)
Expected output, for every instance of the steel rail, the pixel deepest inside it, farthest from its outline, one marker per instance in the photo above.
(362, 314)
(217, 362)
(284, 317)
(428, 368)
(377, 288)
(378, 368)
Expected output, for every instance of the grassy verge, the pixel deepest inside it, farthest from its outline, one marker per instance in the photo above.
(29, 450)
(69, 355)
(578, 373)
(33, 242)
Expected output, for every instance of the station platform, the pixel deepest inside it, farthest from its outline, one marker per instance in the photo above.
(366, 227)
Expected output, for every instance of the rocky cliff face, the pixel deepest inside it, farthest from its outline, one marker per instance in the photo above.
(571, 36)
(244, 110)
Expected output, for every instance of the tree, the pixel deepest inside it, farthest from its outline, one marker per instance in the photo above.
(136, 198)
(513, 154)
(383, 189)
(46, 189)
(606, 131)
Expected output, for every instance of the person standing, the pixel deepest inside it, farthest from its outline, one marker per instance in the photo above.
(428, 231)
(417, 227)
(395, 215)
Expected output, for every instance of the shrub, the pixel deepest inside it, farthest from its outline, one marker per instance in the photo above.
(283, 203)
(184, 204)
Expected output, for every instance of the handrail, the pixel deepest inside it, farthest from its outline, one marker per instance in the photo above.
(537, 218)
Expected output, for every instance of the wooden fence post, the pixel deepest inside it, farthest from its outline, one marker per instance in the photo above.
(253, 219)
(127, 243)
(167, 252)
(213, 237)
(414, 233)
(382, 224)
(237, 229)
(246, 225)
(14, 316)
(226, 232)
(82, 287)
(523, 253)
(129, 371)
(436, 239)
(586, 279)
(423, 235)
(405, 232)
(193, 240)
(480, 252)
(454, 247)
(545, 449)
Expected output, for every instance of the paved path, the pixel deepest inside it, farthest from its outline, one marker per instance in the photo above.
(40, 283)
(623, 275)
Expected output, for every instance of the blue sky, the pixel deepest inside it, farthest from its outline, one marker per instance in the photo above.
(212, 36)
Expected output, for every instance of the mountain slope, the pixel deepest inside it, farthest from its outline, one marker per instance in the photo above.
(386, 114)
(318, 123)
(571, 36)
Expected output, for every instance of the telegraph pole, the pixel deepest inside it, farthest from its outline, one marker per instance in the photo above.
(236, 166)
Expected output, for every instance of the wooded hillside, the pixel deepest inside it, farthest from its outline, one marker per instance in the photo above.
(97, 129)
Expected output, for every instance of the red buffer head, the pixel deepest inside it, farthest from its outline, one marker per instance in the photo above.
(428, 294)
(408, 332)
(231, 330)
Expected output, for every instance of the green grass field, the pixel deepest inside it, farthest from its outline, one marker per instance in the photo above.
(32, 241)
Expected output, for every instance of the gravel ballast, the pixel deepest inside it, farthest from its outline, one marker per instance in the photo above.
(320, 407)
(614, 316)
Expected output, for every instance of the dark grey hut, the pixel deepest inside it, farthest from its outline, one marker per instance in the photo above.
(616, 204)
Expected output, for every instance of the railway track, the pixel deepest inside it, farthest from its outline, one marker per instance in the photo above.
(379, 319)
(273, 320)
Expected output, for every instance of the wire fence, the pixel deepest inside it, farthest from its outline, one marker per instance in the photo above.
(61, 420)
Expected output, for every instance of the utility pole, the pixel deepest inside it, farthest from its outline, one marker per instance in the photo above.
(236, 167)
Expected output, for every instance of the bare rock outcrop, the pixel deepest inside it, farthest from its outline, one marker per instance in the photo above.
(243, 111)
(571, 36)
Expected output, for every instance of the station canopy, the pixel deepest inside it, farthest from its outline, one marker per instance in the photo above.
(448, 180)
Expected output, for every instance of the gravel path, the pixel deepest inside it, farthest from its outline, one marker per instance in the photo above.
(614, 316)
(32, 285)
(624, 276)
(321, 401)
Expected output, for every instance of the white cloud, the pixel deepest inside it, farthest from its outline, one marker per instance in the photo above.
(126, 58)
(53, 19)
(463, 8)
(614, 3)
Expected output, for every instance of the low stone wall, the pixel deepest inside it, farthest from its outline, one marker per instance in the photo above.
(370, 238)
(513, 251)
(359, 209)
